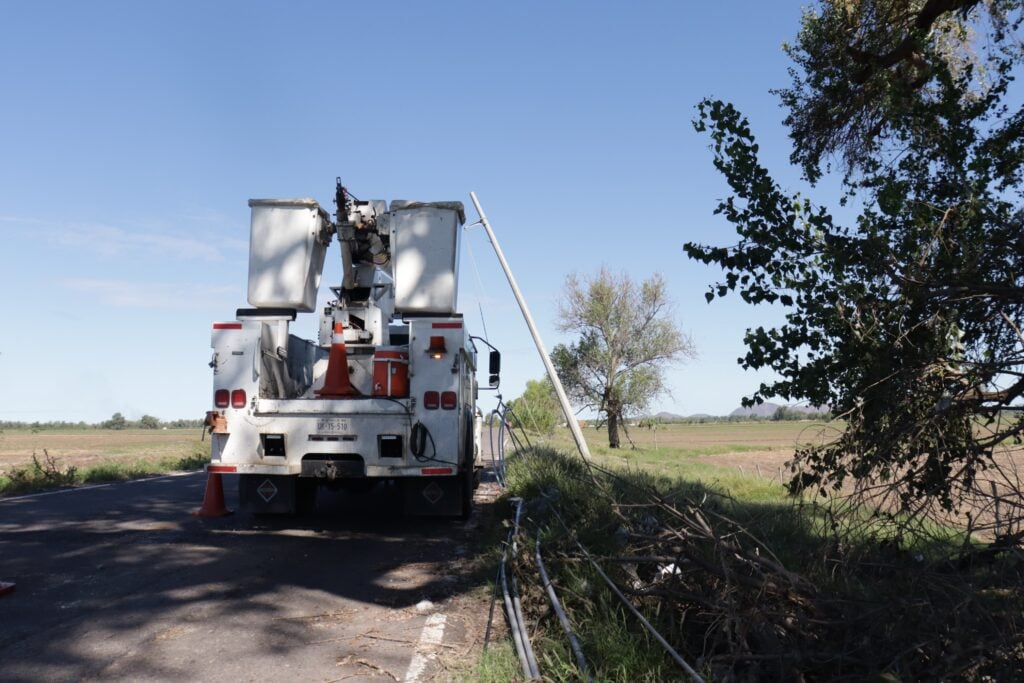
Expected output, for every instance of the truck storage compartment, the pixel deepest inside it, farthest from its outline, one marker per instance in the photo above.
(391, 372)
(287, 245)
(425, 255)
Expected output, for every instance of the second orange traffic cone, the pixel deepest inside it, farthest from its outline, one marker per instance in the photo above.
(337, 383)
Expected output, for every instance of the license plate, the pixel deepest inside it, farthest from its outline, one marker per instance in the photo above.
(332, 425)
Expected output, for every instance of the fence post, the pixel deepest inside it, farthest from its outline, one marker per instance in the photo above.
(995, 497)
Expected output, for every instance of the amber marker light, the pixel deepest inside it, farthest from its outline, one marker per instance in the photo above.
(437, 348)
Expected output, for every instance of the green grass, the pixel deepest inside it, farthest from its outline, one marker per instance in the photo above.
(498, 664)
(664, 464)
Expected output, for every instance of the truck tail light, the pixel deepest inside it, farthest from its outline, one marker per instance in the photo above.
(221, 397)
(238, 398)
(449, 400)
(431, 400)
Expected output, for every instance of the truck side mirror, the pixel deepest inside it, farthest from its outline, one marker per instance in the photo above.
(494, 368)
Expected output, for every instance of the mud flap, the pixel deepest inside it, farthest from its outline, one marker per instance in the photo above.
(433, 496)
(267, 493)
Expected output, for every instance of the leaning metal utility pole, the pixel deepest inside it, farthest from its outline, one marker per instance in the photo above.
(570, 418)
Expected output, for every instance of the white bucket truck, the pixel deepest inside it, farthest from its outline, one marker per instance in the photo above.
(386, 393)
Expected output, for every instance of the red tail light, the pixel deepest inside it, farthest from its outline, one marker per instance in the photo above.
(238, 398)
(449, 400)
(221, 398)
(431, 400)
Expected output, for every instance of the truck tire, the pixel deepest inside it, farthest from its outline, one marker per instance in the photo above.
(466, 487)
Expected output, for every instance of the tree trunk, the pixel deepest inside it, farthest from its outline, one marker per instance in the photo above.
(613, 429)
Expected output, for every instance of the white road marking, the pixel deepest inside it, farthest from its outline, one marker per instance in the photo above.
(72, 489)
(426, 648)
(53, 493)
(162, 476)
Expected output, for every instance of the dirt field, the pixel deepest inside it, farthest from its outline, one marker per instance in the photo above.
(747, 447)
(724, 437)
(750, 447)
(86, 447)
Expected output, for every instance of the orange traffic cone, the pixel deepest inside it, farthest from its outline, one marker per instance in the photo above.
(6, 587)
(213, 500)
(337, 383)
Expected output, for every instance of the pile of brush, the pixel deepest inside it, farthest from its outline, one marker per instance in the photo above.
(755, 591)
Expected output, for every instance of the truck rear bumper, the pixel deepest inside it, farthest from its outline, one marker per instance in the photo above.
(252, 468)
(372, 471)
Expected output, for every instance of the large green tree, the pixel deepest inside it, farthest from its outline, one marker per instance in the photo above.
(627, 338)
(537, 409)
(149, 422)
(907, 319)
(116, 421)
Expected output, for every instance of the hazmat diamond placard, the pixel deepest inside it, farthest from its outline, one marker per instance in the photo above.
(267, 490)
(433, 492)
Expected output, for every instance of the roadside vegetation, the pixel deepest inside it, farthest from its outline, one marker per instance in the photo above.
(750, 583)
(36, 459)
(903, 298)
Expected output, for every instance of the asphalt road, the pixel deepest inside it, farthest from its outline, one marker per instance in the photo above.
(119, 582)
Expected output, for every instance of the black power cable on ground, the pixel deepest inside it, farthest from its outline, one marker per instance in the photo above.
(563, 619)
(625, 601)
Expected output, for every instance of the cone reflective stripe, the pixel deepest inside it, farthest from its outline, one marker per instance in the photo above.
(6, 587)
(213, 499)
(337, 383)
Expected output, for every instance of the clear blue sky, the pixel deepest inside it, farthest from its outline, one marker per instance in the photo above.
(132, 135)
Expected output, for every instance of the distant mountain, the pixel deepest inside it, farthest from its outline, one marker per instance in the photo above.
(764, 411)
